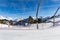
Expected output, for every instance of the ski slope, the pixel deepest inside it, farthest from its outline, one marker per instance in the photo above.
(47, 34)
(52, 33)
(29, 27)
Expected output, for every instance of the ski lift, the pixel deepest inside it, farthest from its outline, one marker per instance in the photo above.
(54, 16)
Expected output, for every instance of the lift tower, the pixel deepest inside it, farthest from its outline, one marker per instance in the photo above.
(38, 6)
(55, 15)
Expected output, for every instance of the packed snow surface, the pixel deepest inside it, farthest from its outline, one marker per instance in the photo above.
(31, 26)
(52, 33)
(47, 34)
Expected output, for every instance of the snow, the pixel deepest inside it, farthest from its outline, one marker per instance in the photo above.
(47, 34)
(7, 18)
(3, 25)
(19, 19)
(52, 33)
(29, 27)
(56, 19)
(1, 17)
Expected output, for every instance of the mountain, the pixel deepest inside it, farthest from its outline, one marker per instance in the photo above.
(1, 17)
(18, 19)
(57, 19)
(7, 18)
(28, 20)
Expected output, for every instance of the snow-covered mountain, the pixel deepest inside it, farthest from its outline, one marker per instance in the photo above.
(7, 18)
(1, 17)
(18, 19)
(57, 19)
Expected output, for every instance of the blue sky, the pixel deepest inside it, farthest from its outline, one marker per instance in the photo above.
(25, 8)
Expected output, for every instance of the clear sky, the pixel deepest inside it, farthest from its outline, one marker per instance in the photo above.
(25, 8)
